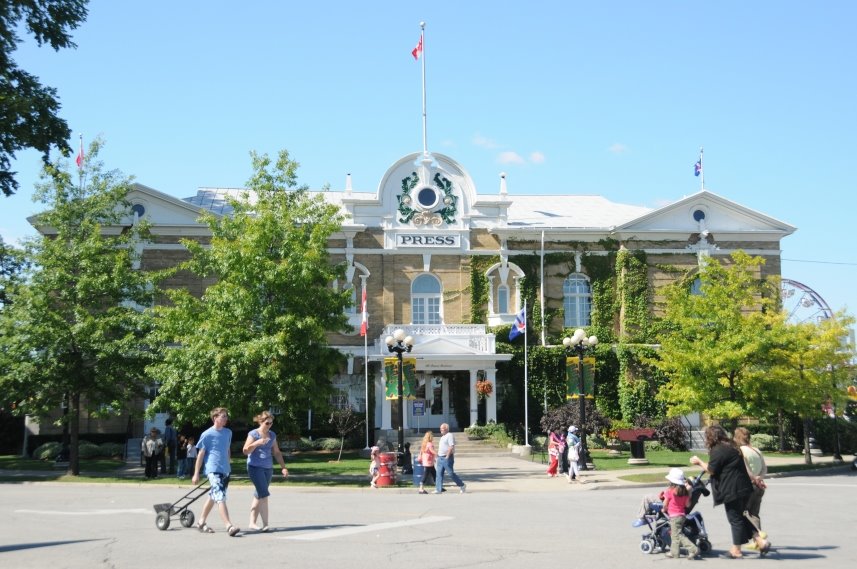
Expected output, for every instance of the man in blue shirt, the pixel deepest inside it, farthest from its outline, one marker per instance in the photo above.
(213, 452)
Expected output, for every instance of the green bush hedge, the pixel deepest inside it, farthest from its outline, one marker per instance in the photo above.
(47, 451)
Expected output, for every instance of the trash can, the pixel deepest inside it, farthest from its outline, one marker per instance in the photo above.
(387, 469)
(418, 474)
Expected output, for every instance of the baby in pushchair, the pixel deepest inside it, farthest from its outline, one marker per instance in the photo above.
(658, 537)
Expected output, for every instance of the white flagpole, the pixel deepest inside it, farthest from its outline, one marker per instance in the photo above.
(423, 55)
(366, 372)
(701, 171)
(526, 383)
(80, 160)
(542, 296)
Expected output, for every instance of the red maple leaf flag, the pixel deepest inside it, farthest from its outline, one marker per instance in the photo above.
(79, 159)
(365, 324)
(418, 51)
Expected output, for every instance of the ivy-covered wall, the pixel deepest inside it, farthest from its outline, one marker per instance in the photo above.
(621, 317)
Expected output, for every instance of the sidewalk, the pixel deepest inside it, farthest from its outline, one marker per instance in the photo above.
(495, 474)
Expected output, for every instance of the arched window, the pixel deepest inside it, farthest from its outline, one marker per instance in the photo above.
(353, 308)
(425, 300)
(696, 287)
(503, 299)
(577, 300)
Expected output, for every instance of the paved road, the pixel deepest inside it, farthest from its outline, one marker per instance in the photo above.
(810, 518)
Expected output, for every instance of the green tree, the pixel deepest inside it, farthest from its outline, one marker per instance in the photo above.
(71, 334)
(810, 367)
(714, 343)
(257, 337)
(28, 109)
(12, 265)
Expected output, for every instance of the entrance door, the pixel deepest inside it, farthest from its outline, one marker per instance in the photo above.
(433, 391)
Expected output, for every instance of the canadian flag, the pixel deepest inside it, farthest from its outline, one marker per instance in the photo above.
(79, 159)
(418, 51)
(365, 324)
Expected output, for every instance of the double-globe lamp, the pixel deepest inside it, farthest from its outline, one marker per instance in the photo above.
(400, 343)
(579, 343)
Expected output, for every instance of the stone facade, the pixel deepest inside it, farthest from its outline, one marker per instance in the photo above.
(414, 249)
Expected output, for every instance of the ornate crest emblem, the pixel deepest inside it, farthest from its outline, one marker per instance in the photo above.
(428, 205)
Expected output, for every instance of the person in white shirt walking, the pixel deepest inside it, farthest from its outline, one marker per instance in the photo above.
(446, 460)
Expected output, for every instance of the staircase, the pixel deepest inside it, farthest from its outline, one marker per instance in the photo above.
(463, 446)
(697, 441)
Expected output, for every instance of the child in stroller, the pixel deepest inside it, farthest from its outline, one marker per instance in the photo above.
(658, 539)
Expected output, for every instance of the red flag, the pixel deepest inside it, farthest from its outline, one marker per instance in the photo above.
(79, 159)
(418, 51)
(365, 324)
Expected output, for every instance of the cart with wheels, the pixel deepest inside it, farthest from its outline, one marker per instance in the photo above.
(180, 508)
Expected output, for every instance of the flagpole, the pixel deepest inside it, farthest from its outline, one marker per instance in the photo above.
(423, 54)
(526, 383)
(79, 160)
(542, 295)
(366, 372)
(364, 331)
(701, 171)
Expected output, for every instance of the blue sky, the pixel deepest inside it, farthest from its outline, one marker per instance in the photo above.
(612, 98)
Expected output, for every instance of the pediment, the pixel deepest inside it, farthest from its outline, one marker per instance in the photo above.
(162, 209)
(705, 211)
(446, 347)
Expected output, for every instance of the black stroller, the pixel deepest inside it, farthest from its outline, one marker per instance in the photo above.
(180, 508)
(658, 538)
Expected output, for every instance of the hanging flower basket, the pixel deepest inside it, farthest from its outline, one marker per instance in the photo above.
(484, 388)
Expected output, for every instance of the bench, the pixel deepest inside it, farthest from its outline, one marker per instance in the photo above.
(636, 438)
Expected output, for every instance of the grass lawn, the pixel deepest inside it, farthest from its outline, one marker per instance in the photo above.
(318, 468)
(11, 462)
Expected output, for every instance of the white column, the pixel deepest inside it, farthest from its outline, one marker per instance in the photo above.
(381, 401)
(474, 400)
(491, 401)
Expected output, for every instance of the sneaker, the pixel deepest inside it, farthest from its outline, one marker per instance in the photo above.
(463, 489)
(423, 492)
(436, 492)
(638, 523)
(668, 555)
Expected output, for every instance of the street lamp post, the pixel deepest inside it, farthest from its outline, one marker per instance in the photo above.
(578, 344)
(400, 344)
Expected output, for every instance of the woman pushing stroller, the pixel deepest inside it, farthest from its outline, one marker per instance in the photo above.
(732, 487)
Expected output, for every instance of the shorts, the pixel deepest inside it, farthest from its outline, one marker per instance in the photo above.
(219, 483)
(261, 479)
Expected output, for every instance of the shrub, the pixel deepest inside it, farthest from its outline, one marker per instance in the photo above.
(671, 434)
(772, 442)
(327, 443)
(111, 450)
(47, 451)
(477, 432)
(88, 450)
(494, 432)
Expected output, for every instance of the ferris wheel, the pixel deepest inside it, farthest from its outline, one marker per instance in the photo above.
(802, 304)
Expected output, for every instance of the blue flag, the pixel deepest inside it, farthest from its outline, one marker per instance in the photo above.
(520, 324)
(697, 168)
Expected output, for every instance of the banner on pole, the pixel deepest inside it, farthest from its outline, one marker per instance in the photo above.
(573, 378)
(409, 381)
